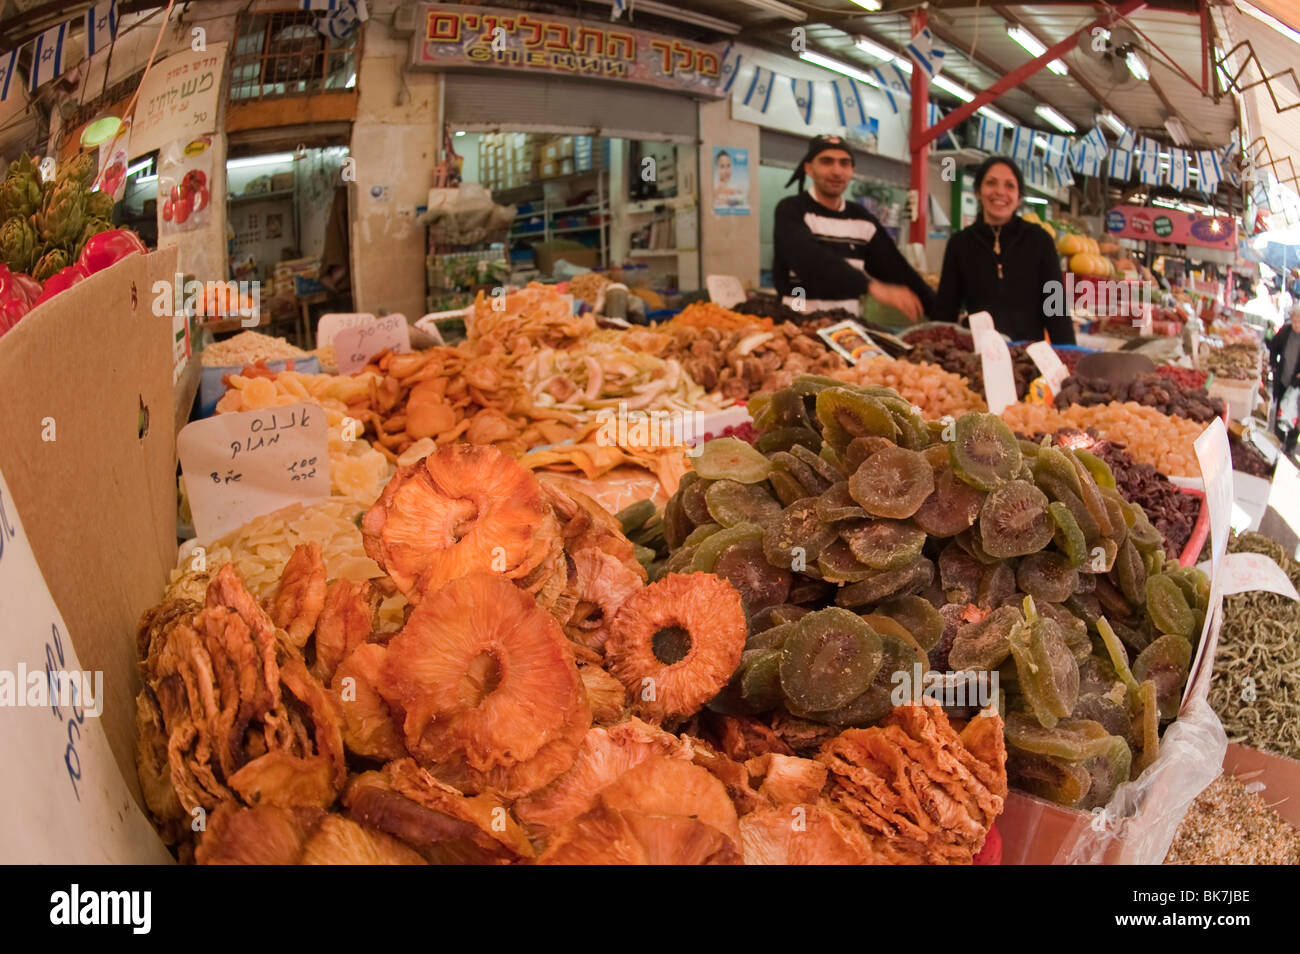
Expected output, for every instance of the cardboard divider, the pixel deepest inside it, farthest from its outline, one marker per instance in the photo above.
(92, 368)
(1279, 775)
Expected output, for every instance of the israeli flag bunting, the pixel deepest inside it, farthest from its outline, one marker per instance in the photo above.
(924, 55)
(101, 27)
(803, 98)
(1178, 170)
(900, 82)
(1036, 173)
(7, 65)
(760, 89)
(990, 135)
(1211, 172)
(932, 117)
(1121, 164)
(347, 15)
(1149, 162)
(730, 67)
(885, 88)
(1127, 140)
(848, 101)
(319, 4)
(1022, 145)
(47, 56)
(1095, 143)
(1058, 153)
(1062, 176)
(1085, 162)
(619, 8)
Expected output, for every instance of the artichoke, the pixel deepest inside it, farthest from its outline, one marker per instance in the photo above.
(99, 205)
(19, 196)
(93, 227)
(51, 262)
(60, 221)
(24, 165)
(79, 169)
(18, 244)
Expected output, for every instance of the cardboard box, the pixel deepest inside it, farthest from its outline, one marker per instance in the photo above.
(548, 253)
(281, 181)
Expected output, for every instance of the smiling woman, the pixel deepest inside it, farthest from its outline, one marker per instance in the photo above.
(1003, 265)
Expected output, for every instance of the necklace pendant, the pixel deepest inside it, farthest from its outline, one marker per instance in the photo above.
(999, 269)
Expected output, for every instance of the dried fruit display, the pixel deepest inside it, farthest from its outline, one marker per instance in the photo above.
(1247, 459)
(927, 386)
(1239, 362)
(1159, 391)
(1187, 377)
(1164, 442)
(248, 347)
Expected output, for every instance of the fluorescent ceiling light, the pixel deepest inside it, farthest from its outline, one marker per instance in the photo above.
(1176, 131)
(352, 81)
(872, 5)
(1113, 122)
(1035, 48)
(1035, 200)
(872, 48)
(1273, 22)
(683, 16)
(271, 159)
(838, 66)
(1137, 67)
(996, 116)
(1050, 115)
(145, 180)
(949, 86)
(779, 8)
(460, 132)
(140, 166)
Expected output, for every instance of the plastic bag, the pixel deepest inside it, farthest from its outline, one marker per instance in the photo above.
(184, 185)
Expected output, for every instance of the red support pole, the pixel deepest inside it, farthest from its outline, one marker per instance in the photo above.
(919, 181)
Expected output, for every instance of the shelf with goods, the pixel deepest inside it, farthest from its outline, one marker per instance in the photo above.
(558, 215)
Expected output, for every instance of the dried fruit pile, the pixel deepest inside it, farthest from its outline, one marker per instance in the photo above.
(1187, 377)
(927, 386)
(865, 542)
(1164, 442)
(1247, 459)
(1239, 362)
(539, 703)
(1150, 390)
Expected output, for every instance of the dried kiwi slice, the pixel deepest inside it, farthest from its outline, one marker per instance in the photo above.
(707, 548)
(1108, 771)
(883, 544)
(635, 516)
(1131, 573)
(1093, 499)
(730, 503)
(733, 459)
(745, 567)
(1167, 606)
(829, 660)
(997, 585)
(836, 504)
(1055, 779)
(680, 560)
(1140, 530)
(883, 584)
(861, 448)
(918, 616)
(783, 409)
(823, 468)
(1075, 629)
(951, 508)
(677, 526)
(772, 638)
(1069, 739)
(1115, 513)
(846, 413)
(1046, 670)
(832, 457)
(959, 574)
(812, 482)
(1069, 538)
(787, 489)
(1051, 465)
(694, 504)
(784, 438)
(969, 540)
(984, 451)
(1047, 577)
(701, 533)
(1099, 469)
(796, 538)
(900, 653)
(1105, 709)
(773, 616)
(894, 485)
(1167, 662)
(837, 564)
(760, 678)
(986, 644)
(1015, 520)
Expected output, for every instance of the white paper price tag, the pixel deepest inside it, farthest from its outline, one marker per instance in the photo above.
(1215, 457)
(329, 326)
(1245, 572)
(240, 466)
(64, 800)
(355, 346)
(725, 290)
(1049, 364)
(981, 324)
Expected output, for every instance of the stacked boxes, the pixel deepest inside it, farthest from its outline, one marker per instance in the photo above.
(509, 160)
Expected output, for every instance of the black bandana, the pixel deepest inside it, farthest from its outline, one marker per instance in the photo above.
(816, 146)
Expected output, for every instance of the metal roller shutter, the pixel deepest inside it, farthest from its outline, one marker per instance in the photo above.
(487, 102)
(782, 149)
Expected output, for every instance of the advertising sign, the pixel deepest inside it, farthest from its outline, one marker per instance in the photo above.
(1156, 224)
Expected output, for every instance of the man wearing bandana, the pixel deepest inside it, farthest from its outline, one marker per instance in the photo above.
(836, 251)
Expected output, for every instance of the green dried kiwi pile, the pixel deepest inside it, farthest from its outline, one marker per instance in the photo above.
(864, 539)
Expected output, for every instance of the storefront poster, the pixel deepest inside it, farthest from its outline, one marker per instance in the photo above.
(178, 99)
(113, 160)
(184, 179)
(1157, 224)
(730, 181)
(866, 135)
(453, 36)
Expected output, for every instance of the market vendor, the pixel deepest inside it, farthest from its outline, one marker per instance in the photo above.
(1284, 361)
(834, 250)
(1004, 265)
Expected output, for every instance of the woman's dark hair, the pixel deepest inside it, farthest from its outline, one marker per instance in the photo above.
(721, 153)
(984, 167)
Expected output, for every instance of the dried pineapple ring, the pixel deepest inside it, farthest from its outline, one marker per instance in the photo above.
(461, 509)
(489, 686)
(700, 607)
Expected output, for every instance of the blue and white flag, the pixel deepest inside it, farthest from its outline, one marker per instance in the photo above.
(885, 88)
(1209, 170)
(1058, 153)
(990, 135)
(1127, 140)
(1149, 162)
(101, 27)
(1095, 143)
(730, 67)
(47, 56)
(1035, 173)
(848, 102)
(619, 8)
(932, 116)
(320, 4)
(924, 55)
(1084, 161)
(900, 82)
(759, 94)
(7, 66)
(1121, 164)
(1022, 145)
(1178, 170)
(345, 16)
(1062, 176)
(803, 98)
